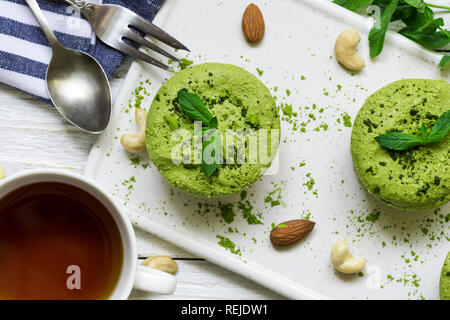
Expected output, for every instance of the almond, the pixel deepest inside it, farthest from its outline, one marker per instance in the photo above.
(253, 24)
(288, 232)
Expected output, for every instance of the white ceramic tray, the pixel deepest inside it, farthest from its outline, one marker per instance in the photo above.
(404, 250)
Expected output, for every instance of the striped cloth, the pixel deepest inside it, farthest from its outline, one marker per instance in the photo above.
(25, 52)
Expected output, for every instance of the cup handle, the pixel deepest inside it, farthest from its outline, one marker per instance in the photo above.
(152, 280)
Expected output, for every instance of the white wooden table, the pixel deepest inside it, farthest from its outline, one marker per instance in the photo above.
(34, 135)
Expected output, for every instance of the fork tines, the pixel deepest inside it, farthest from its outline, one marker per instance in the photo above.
(146, 27)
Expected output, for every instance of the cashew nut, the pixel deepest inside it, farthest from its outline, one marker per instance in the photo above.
(163, 263)
(345, 50)
(343, 261)
(2, 173)
(136, 142)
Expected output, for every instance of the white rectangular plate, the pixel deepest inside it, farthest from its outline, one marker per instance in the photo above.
(404, 250)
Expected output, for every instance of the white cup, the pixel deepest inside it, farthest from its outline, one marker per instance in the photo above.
(132, 274)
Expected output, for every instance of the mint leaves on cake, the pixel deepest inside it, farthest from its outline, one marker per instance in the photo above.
(403, 141)
(192, 106)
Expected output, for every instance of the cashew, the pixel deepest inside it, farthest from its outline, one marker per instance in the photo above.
(345, 50)
(162, 263)
(343, 261)
(136, 142)
(2, 173)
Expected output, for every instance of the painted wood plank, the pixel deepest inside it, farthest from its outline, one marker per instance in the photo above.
(203, 280)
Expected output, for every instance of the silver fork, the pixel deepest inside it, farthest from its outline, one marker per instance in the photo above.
(113, 24)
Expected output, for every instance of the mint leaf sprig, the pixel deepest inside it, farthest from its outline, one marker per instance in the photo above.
(421, 26)
(212, 142)
(192, 106)
(377, 35)
(403, 141)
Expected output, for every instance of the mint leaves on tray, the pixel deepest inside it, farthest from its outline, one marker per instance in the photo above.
(377, 35)
(402, 141)
(417, 18)
(192, 106)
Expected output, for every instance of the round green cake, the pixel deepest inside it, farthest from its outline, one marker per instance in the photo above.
(444, 283)
(239, 101)
(413, 179)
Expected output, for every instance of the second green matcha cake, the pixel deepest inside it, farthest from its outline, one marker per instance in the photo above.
(239, 101)
(444, 283)
(413, 179)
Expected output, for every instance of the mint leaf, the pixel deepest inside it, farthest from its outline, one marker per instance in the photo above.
(403, 141)
(416, 15)
(406, 12)
(193, 107)
(424, 132)
(213, 124)
(430, 34)
(444, 61)
(377, 35)
(418, 4)
(398, 140)
(431, 26)
(352, 5)
(412, 18)
(434, 41)
(440, 128)
(211, 152)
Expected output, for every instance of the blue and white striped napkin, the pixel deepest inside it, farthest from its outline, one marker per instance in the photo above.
(25, 52)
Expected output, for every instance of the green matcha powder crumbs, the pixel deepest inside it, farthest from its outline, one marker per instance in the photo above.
(226, 211)
(246, 209)
(184, 63)
(228, 244)
(347, 119)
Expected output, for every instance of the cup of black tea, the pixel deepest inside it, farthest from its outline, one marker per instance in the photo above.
(64, 237)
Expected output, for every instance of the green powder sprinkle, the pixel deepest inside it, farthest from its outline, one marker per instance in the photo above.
(226, 212)
(184, 63)
(135, 161)
(310, 183)
(373, 216)
(347, 119)
(246, 209)
(228, 244)
(287, 111)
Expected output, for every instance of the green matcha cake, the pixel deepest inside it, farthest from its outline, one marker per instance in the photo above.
(444, 283)
(413, 179)
(240, 102)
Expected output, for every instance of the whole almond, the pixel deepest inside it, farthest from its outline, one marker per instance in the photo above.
(253, 24)
(288, 232)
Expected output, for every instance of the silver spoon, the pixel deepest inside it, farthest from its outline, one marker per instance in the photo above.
(76, 83)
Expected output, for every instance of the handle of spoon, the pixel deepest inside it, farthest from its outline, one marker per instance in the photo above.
(43, 23)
